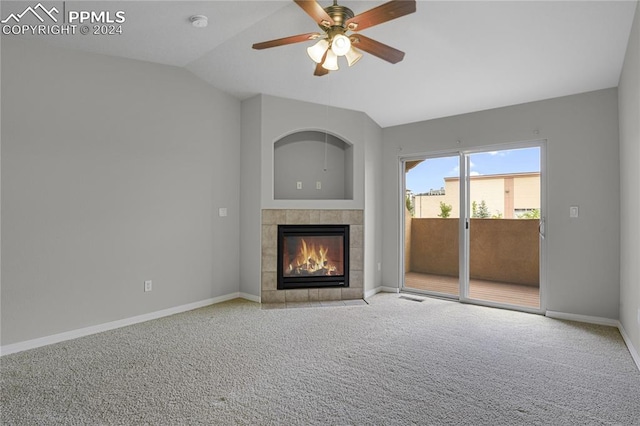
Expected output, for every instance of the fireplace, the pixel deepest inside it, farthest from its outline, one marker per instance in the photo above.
(311, 256)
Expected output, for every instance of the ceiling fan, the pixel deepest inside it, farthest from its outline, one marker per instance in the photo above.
(340, 36)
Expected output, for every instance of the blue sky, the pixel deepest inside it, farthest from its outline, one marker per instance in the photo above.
(430, 173)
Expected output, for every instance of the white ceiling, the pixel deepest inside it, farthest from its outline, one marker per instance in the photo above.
(460, 56)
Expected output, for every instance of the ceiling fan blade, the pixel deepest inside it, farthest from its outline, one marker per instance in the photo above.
(376, 48)
(383, 13)
(316, 12)
(320, 70)
(286, 40)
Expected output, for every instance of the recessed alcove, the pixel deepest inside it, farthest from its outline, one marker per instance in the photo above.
(312, 165)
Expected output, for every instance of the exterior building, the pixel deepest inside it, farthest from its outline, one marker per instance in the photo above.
(506, 195)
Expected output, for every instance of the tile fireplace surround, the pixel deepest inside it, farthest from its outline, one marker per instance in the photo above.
(274, 217)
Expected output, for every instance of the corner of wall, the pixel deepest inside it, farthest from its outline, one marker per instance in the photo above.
(250, 196)
(629, 124)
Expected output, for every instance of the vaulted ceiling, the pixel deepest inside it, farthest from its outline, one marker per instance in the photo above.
(460, 56)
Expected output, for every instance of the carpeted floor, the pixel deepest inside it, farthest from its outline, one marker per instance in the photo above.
(393, 362)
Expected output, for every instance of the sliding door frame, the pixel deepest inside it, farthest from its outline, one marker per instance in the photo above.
(464, 219)
(401, 242)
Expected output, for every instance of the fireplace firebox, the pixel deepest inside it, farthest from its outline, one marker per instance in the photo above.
(311, 256)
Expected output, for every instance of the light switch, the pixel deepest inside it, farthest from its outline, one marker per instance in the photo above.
(222, 211)
(574, 211)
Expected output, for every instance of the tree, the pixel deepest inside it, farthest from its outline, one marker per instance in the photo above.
(409, 204)
(480, 211)
(445, 210)
(531, 214)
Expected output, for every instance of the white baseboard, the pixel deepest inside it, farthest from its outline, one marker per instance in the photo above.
(249, 297)
(86, 331)
(600, 321)
(583, 318)
(380, 289)
(632, 350)
(368, 294)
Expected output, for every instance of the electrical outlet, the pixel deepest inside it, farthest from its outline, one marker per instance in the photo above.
(318, 185)
(638, 316)
(298, 185)
(148, 285)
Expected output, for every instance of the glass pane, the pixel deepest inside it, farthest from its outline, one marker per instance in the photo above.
(432, 214)
(504, 211)
(313, 255)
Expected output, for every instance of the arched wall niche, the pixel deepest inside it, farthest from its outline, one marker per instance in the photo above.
(312, 165)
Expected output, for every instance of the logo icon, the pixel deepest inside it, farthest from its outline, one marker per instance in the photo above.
(34, 11)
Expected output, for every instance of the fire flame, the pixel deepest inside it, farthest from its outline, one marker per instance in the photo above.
(311, 261)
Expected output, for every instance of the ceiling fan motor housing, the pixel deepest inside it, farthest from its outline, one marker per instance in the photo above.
(339, 14)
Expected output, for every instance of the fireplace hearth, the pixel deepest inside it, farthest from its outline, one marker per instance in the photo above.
(312, 256)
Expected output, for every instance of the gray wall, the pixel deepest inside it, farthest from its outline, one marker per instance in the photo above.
(373, 200)
(583, 163)
(250, 193)
(629, 110)
(281, 117)
(113, 171)
(302, 157)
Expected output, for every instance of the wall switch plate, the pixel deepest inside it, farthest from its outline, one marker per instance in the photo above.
(574, 211)
(298, 185)
(148, 285)
(638, 316)
(222, 211)
(318, 185)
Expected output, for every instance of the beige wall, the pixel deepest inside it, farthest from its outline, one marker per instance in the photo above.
(489, 190)
(434, 246)
(492, 189)
(407, 240)
(499, 250)
(527, 192)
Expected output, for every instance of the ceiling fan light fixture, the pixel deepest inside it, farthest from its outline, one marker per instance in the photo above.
(340, 45)
(331, 61)
(353, 56)
(316, 52)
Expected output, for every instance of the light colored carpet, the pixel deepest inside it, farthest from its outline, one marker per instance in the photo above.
(395, 361)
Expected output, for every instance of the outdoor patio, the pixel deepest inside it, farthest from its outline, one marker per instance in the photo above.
(494, 291)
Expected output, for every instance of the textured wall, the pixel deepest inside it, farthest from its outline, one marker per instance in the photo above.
(499, 250)
(434, 246)
(505, 250)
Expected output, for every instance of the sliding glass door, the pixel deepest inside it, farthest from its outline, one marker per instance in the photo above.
(473, 224)
(503, 213)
